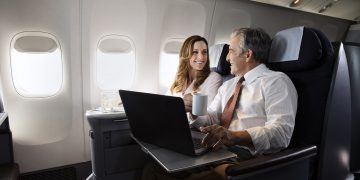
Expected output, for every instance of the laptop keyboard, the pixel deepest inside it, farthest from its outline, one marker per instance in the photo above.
(197, 143)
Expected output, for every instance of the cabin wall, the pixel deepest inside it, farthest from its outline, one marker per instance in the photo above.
(47, 132)
(52, 131)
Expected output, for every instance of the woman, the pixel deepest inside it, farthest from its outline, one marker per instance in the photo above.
(193, 73)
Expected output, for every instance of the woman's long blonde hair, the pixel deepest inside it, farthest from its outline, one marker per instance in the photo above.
(182, 74)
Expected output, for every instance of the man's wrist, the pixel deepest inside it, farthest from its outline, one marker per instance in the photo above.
(241, 138)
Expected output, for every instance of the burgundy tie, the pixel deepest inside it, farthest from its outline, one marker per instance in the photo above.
(230, 105)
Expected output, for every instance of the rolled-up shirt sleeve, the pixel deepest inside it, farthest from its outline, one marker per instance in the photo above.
(280, 107)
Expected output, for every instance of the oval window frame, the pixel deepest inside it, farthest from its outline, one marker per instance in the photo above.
(58, 45)
(132, 46)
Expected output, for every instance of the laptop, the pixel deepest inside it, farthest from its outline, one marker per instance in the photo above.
(162, 121)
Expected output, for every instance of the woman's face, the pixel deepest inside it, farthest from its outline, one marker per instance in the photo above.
(199, 55)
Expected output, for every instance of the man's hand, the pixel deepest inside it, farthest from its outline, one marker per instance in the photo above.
(216, 136)
(188, 102)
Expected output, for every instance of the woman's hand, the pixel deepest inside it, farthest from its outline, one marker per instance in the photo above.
(188, 102)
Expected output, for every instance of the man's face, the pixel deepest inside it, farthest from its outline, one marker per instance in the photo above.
(236, 57)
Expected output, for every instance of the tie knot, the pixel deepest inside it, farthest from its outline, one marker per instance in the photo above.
(238, 84)
(242, 79)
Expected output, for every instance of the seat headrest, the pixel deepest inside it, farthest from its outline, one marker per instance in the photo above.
(298, 49)
(328, 48)
(218, 53)
(214, 54)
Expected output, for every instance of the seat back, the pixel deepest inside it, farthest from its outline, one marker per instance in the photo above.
(322, 83)
(301, 54)
(218, 53)
(8, 168)
(6, 145)
(352, 50)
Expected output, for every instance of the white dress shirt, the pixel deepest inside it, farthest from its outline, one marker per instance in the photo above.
(266, 108)
(210, 87)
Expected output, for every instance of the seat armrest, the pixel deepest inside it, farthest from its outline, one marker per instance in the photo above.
(356, 175)
(280, 159)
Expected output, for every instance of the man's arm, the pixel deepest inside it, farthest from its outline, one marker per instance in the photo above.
(280, 107)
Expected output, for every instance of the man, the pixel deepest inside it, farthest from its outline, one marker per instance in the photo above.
(254, 112)
(264, 117)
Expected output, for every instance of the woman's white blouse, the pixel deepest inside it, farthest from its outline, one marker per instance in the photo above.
(210, 87)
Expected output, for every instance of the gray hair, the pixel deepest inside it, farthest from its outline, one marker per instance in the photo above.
(255, 39)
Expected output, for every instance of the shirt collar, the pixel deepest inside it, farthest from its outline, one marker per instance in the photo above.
(255, 73)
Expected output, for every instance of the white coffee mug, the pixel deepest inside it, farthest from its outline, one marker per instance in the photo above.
(199, 105)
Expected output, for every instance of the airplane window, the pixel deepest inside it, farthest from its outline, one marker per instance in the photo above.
(169, 60)
(36, 64)
(168, 67)
(115, 63)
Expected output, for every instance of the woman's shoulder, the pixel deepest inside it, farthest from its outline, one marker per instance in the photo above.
(214, 75)
(213, 78)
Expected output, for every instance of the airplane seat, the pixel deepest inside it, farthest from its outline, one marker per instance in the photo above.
(323, 113)
(352, 50)
(217, 54)
(9, 170)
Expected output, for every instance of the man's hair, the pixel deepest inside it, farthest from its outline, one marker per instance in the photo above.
(255, 39)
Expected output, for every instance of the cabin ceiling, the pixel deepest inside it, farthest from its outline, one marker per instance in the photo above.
(344, 9)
